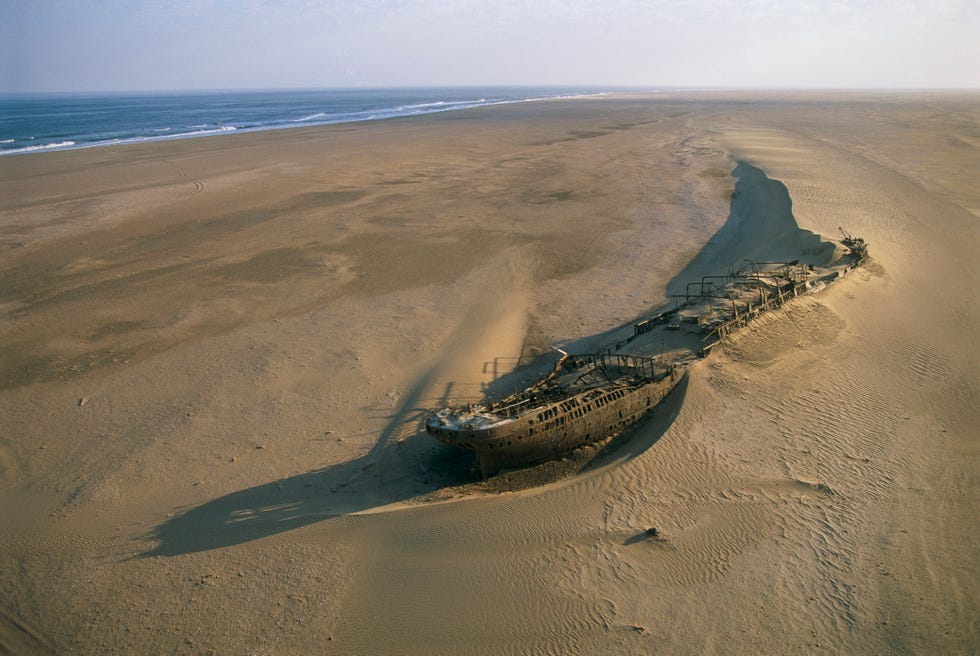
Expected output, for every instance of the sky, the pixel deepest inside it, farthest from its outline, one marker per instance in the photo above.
(124, 45)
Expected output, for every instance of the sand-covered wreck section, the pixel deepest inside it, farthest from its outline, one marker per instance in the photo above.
(218, 354)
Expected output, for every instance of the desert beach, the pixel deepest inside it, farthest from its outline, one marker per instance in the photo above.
(217, 355)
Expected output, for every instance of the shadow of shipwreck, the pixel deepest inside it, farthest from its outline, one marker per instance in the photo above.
(261, 511)
(344, 488)
(296, 501)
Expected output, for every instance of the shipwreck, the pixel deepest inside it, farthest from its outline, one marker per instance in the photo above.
(592, 397)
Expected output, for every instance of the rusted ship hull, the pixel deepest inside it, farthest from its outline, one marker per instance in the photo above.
(552, 429)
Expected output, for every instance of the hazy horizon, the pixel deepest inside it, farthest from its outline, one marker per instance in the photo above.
(584, 89)
(131, 46)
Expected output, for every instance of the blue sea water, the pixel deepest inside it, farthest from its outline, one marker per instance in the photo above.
(32, 123)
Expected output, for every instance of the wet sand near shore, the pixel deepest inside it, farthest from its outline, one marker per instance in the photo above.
(217, 353)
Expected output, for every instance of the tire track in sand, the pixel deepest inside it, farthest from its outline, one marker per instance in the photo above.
(198, 184)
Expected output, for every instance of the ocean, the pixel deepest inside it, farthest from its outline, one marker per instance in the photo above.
(32, 123)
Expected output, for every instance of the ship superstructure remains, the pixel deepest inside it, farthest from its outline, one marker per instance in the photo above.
(591, 397)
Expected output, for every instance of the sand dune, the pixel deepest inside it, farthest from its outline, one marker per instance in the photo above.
(217, 353)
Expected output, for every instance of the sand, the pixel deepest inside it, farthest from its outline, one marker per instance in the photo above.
(216, 355)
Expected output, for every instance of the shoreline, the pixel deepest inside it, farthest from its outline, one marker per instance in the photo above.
(312, 121)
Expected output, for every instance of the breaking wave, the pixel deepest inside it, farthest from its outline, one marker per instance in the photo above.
(311, 117)
(28, 149)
